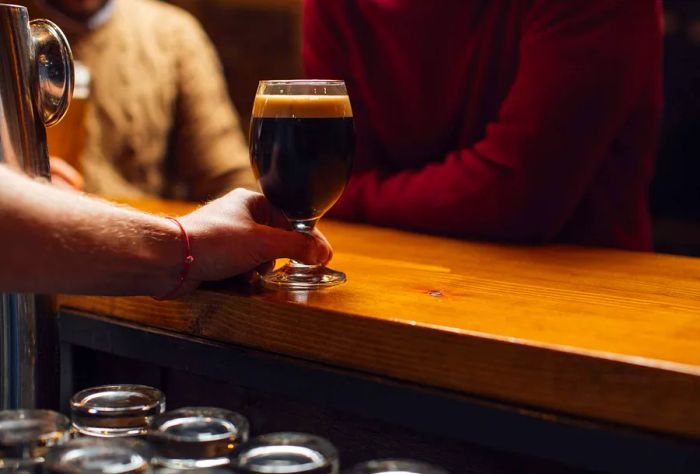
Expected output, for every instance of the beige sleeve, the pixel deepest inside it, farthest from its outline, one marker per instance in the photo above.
(210, 151)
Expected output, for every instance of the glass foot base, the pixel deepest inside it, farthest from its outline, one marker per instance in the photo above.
(297, 276)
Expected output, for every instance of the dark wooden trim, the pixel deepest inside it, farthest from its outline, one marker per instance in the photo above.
(47, 356)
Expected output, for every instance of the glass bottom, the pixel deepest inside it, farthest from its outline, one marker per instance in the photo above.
(108, 432)
(21, 466)
(187, 464)
(297, 276)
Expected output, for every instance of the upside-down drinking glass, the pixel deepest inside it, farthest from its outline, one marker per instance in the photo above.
(302, 143)
(287, 453)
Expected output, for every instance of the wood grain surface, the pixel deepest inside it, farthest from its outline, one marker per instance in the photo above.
(603, 334)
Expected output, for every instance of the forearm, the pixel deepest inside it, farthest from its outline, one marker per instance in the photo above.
(464, 195)
(577, 99)
(60, 241)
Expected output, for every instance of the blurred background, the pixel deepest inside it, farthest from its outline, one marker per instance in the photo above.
(256, 39)
(237, 27)
(675, 191)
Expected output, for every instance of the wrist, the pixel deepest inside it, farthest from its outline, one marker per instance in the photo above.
(160, 255)
(181, 282)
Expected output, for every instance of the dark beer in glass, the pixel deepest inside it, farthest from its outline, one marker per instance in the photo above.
(302, 143)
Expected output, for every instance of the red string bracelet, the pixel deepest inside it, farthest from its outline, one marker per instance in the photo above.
(187, 264)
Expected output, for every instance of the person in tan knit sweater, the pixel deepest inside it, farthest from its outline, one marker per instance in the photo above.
(161, 122)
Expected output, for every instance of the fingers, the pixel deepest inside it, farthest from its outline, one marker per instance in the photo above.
(270, 232)
(319, 235)
(265, 213)
(311, 249)
(276, 218)
(65, 174)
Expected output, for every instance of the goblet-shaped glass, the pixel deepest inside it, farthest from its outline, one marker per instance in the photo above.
(302, 142)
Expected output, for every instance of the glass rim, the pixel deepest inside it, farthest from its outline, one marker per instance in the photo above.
(402, 465)
(13, 6)
(114, 447)
(29, 413)
(324, 451)
(50, 423)
(239, 422)
(314, 442)
(294, 436)
(302, 82)
(154, 397)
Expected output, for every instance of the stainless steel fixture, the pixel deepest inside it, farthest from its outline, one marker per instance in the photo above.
(36, 84)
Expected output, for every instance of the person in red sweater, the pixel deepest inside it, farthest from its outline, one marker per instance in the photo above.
(508, 120)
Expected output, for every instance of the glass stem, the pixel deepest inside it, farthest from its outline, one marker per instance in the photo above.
(305, 227)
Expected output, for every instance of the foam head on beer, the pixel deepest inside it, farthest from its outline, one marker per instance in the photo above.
(301, 151)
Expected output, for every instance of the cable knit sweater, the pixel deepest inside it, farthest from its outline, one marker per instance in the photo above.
(160, 122)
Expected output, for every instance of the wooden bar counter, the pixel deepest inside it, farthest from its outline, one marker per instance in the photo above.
(595, 335)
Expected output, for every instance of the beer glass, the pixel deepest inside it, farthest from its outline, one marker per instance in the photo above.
(200, 470)
(197, 437)
(302, 143)
(99, 456)
(113, 411)
(26, 436)
(287, 453)
(395, 466)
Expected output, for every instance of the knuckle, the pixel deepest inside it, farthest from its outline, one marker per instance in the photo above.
(239, 192)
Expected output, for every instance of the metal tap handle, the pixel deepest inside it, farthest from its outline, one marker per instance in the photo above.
(54, 71)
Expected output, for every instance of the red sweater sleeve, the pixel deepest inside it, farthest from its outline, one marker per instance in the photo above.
(581, 70)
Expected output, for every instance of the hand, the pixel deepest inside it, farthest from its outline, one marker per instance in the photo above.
(241, 232)
(64, 175)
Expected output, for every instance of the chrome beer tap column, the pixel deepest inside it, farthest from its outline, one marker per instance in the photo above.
(36, 84)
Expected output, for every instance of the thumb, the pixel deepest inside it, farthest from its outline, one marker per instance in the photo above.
(306, 248)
